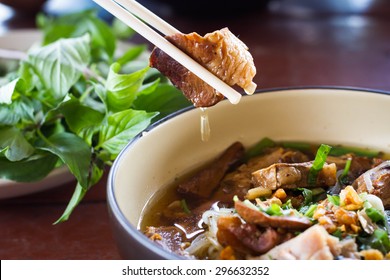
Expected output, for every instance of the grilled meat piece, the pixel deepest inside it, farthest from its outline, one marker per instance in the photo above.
(293, 175)
(203, 183)
(376, 181)
(220, 52)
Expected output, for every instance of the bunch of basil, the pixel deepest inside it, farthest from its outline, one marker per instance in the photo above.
(76, 100)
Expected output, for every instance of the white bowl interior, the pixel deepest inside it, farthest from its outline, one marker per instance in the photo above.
(173, 148)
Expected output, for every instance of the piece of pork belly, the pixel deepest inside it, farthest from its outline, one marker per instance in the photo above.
(376, 181)
(221, 52)
(315, 243)
(293, 175)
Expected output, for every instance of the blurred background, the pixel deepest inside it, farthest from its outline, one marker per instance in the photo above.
(13, 10)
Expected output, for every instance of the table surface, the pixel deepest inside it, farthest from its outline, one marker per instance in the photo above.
(294, 43)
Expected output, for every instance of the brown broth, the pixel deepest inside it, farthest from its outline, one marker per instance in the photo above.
(152, 213)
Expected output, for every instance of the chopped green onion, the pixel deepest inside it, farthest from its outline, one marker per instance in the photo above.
(342, 150)
(343, 177)
(274, 210)
(318, 163)
(185, 206)
(334, 199)
(375, 215)
(310, 211)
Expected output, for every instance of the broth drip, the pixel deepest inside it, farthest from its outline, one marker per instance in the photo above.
(205, 130)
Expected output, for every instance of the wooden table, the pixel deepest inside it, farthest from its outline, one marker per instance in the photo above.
(294, 43)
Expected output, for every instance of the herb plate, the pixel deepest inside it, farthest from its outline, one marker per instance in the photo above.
(22, 40)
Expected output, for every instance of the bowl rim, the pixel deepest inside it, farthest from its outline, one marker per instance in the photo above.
(111, 198)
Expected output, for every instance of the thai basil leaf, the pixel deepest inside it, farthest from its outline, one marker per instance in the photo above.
(82, 120)
(158, 97)
(103, 39)
(26, 170)
(131, 54)
(74, 152)
(121, 127)
(60, 64)
(122, 88)
(77, 196)
(6, 92)
(15, 146)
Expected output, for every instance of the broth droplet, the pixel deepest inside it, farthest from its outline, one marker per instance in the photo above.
(204, 125)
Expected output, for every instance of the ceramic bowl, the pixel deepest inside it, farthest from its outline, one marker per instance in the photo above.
(173, 146)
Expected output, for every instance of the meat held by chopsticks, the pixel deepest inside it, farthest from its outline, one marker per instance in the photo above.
(221, 52)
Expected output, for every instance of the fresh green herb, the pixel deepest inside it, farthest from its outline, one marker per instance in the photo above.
(381, 240)
(378, 240)
(77, 100)
(338, 233)
(343, 150)
(184, 205)
(343, 178)
(308, 196)
(334, 199)
(375, 215)
(310, 210)
(318, 163)
(274, 210)
(287, 205)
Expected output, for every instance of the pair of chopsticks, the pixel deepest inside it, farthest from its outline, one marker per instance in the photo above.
(130, 12)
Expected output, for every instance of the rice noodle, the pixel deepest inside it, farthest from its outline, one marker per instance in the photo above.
(207, 242)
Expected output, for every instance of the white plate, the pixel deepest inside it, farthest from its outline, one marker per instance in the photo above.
(22, 40)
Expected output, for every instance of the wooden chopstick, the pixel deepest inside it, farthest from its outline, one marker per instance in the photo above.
(126, 15)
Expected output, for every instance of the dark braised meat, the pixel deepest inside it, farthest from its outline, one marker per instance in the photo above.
(358, 166)
(168, 237)
(246, 238)
(220, 52)
(203, 183)
(293, 175)
(376, 181)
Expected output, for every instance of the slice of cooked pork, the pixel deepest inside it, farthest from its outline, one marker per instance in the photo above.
(203, 183)
(376, 181)
(221, 52)
(293, 175)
